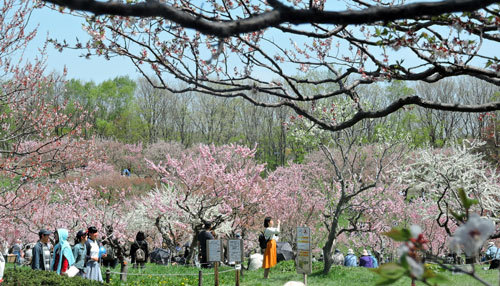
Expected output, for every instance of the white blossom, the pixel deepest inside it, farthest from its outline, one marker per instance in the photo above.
(431, 172)
(416, 269)
(415, 231)
(472, 235)
(402, 250)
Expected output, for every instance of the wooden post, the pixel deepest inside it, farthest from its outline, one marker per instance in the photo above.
(305, 279)
(108, 275)
(237, 277)
(216, 273)
(123, 274)
(200, 278)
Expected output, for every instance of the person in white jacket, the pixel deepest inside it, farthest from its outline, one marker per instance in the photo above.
(270, 255)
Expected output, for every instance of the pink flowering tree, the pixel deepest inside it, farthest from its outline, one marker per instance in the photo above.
(357, 174)
(221, 185)
(392, 210)
(125, 156)
(296, 198)
(40, 139)
(469, 238)
(75, 205)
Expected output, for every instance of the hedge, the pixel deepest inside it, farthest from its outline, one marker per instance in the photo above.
(26, 277)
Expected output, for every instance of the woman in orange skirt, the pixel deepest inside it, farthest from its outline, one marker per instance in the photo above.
(270, 256)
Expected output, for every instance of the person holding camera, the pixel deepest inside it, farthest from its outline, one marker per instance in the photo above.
(270, 255)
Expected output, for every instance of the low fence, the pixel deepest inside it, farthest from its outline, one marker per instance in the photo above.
(200, 274)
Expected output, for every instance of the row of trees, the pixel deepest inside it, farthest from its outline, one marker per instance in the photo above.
(248, 48)
(134, 111)
(348, 194)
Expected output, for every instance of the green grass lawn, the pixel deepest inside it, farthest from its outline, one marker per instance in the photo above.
(280, 274)
(283, 272)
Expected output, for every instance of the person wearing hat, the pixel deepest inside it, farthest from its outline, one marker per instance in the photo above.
(92, 266)
(41, 252)
(351, 259)
(365, 260)
(492, 254)
(338, 258)
(80, 251)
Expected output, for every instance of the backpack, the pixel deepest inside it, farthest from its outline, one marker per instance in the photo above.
(140, 255)
(263, 241)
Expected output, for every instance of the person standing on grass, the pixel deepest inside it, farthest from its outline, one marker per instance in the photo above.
(28, 254)
(270, 255)
(203, 236)
(93, 268)
(139, 250)
(80, 252)
(17, 250)
(62, 258)
(41, 252)
(374, 260)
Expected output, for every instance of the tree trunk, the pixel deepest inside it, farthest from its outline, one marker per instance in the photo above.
(327, 251)
(332, 237)
(328, 261)
(194, 244)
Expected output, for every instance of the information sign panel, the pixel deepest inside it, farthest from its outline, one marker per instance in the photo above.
(304, 256)
(214, 250)
(235, 250)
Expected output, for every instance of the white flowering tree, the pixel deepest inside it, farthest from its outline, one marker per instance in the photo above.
(466, 190)
(437, 175)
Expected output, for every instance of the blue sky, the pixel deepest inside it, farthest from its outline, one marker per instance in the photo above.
(63, 26)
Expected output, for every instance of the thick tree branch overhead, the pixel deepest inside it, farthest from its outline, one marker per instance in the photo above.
(280, 14)
(317, 53)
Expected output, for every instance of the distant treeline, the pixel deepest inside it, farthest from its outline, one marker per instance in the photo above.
(132, 111)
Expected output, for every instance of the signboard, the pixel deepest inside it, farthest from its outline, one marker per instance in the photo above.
(214, 250)
(235, 250)
(304, 255)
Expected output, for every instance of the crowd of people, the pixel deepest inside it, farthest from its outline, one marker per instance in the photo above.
(351, 260)
(84, 258)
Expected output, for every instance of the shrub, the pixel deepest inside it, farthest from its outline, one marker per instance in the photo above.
(27, 277)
